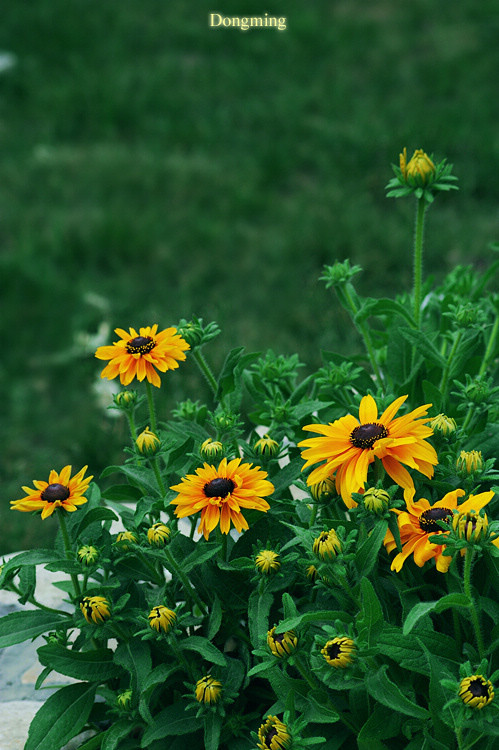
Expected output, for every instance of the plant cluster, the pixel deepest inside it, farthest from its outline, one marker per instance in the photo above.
(302, 561)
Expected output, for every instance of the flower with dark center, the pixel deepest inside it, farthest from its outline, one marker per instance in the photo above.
(470, 526)
(139, 355)
(339, 652)
(282, 644)
(347, 447)
(208, 690)
(162, 618)
(419, 522)
(220, 493)
(61, 491)
(95, 609)
(327, 545)
(273, 735)
(476, 692)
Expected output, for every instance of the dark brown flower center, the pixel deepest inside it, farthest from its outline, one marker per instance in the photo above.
(478, 689)
(365, 435)
(334, 650)
(219, 487)
(55, 492)
(428, 519)
(140, 345)
(270, 736)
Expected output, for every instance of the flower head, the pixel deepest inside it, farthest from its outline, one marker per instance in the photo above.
(266, 447)
(211, 449)
(420, 170)
(349, 445)
(148, 443)
(339, 652)
(95, 609)
(125, 539)
(162, 618)
(208, 690)
(139, 355)
(282, 644)
(267, 561)
(273, 735)
(158, 534)
(220, 494)
(88, 554)
(323, 490)
(327, 545)
(376, 500)
(470, 526)
(61, 491)
(469, 462)
(419, 522)
(476, 691)
(443, 424)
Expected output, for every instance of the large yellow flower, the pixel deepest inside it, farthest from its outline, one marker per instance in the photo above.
(59, 492)
(136, 355)
(220, 493)
(349, 445)
(419, 522)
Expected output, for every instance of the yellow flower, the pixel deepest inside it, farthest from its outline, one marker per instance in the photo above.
(443, 424)
(124, 537)
(469, 462)
(327, 545)
(59, 492)
(139, 355)
(349, 445)
(95, 609)
(88, 554)
(470, 526)
(162, 618)
(419, 522)
(273, 735)
(476, 691)
(158, 534)
(208, 690)
(267, 561)
(148, 443)
(220, 493)
(420, 170)
(339, 652)
(282, 644)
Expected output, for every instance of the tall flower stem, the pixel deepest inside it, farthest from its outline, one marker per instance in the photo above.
(159, 480)
(67, 549)
(468, 561)
(189, 589)
(348, 302)
(445, 375)
(205, 369)
(418, 259)
(131, 424)
(152, 408)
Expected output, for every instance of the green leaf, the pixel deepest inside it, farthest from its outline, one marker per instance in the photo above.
(289, 607)
(27, 582)
(23, 626)
(198, 557)
(370, 619)
(424, 608)
(140, 476)
(203, 647)
(423, 345)
(388, 694)
(158, 676)
(95, 665)
(366, 556)
(212, 729)
(383, 306)
(122, 493)
(286, 475)
(94, 515)
(135, 657)
(173, 721)
(116, 733)
(258, 616)
(380, 725)
(61, 717)
(32, 557)
(215, 619)
(234, 364)
(325, 615)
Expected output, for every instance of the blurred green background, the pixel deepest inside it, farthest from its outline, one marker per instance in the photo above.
(153, 168)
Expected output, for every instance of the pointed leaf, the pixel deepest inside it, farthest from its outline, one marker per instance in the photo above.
(61, 717)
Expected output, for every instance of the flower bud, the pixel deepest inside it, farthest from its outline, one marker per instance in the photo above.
(323, 491)
(476, 691)
(148, 443)
(125, 400)
(266, 447)
(420, 170)
(125, 539)
(208, 690)
(273, 735)
(443, 424)
(282, 644)
(470, 526)
(469, 462)
(211, 450)
(376, 500)
(95, 609)
(124, 700)
(339, 273)
(191, 411)
(267, 561)
(339, 652)
(88, 555)
(158, 535)
(327, 545)
(162, 618)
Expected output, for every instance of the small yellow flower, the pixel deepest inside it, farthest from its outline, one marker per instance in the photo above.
(469, 462)
(327, 545)
(476, 691)
(267, 561)
(282, 644)
(158, 534)
(376, 500)
(162, 618)
(125, 539)
(266, 447)
(88, 554)
(443, 424)
(420, 170)
(61, 491)
(208, 690)
(273, 735)
(470, 526)
(148, 443)
(95, 609)
(211, 449)
(124, 699)
(324, 490)
(339, 652)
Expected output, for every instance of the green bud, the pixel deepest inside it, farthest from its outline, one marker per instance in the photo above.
(211, 450)
(339, 273)
(266, 447)
(376, 500)
(88, 555)
(148, 443)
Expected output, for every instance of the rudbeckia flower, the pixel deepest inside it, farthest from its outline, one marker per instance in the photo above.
(339, 652)
(95, 609)
(139, 355)
(282, 644)
(61, 491)
(273, 735)
(162, 618)
(208, 690)
(349, 445)
(220, 493)
(476, 691)
(267, 561)
(419, 522)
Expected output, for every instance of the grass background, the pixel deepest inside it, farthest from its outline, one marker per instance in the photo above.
(153, 168)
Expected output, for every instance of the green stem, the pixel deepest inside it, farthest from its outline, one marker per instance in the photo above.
(152, 409)
(67, 548)
(362, 328)
(131, 425)
(483, 367)
(468, 562)
(418, 259)
(205, 369)
(445, 375)
(313, 514)
(159, 480)
(185, 582)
